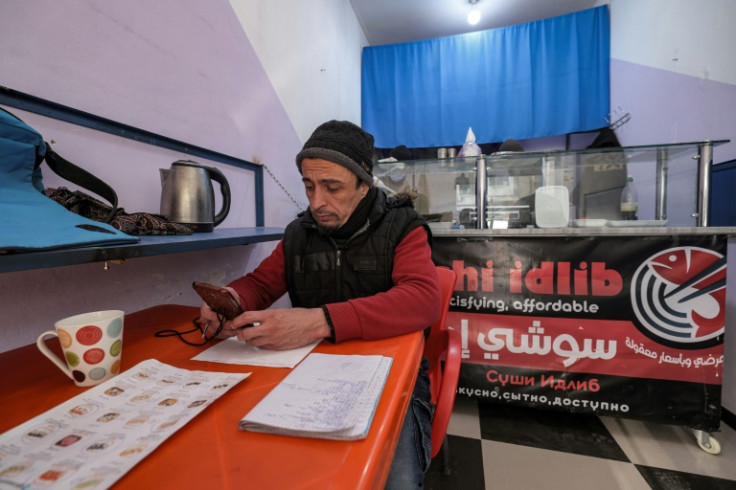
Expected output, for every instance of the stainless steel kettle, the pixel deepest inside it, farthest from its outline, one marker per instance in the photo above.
(187, 195)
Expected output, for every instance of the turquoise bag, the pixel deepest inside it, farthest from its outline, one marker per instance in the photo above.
(29, 220)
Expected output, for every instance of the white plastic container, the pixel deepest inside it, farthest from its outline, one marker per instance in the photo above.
(552, 206)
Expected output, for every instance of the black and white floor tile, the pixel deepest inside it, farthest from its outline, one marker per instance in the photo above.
(503, 447)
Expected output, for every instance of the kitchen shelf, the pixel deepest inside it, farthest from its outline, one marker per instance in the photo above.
(149, 245)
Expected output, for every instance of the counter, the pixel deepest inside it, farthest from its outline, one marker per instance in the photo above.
(625, 322)
(587, 232)
(517, 189)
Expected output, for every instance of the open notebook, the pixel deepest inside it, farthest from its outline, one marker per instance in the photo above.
(326, 396)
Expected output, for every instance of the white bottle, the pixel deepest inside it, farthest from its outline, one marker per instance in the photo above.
(462, 189)
(629, 200)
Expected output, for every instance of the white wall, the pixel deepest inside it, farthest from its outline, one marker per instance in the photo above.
(682, 36)
(311, 52)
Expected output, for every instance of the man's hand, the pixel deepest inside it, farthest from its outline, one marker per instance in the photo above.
(209, 317)
(279, 329)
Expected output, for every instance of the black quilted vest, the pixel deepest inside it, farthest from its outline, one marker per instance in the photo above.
(319, 271)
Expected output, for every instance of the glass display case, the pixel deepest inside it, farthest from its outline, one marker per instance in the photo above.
(559, 189)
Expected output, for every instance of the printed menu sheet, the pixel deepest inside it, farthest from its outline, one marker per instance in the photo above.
(93, 439)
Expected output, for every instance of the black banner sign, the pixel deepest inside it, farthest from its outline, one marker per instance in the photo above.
(593, 323)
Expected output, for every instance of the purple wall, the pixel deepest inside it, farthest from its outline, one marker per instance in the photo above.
(668, 107)
(181, 68)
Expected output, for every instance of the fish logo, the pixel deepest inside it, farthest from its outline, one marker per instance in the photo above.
(679, 297)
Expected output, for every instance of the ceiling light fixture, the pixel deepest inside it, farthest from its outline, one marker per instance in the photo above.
(474, 14)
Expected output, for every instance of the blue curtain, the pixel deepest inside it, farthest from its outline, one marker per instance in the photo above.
(542, 78)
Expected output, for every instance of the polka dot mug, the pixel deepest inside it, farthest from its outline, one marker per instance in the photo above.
(92, 345)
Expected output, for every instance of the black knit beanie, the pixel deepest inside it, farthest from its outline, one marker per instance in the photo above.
(343, 143)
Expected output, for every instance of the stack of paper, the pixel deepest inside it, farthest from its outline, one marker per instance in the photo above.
(326, 396)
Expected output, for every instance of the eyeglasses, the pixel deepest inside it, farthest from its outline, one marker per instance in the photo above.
(208, 334)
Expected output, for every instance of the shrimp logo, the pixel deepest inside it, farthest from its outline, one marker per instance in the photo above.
(679, 297)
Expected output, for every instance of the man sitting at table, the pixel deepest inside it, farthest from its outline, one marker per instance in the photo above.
(357, 265)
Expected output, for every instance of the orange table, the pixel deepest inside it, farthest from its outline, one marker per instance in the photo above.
(210, 451)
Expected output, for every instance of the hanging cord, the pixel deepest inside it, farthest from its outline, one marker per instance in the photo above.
(256, 160)
(170, 332)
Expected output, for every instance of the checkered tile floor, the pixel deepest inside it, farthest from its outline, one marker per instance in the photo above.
(502, 447)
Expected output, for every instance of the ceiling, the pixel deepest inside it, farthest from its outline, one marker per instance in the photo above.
(398, 21)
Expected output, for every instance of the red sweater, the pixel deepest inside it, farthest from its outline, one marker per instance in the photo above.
(412, 304)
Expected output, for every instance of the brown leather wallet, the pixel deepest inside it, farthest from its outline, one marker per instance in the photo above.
(219, 299)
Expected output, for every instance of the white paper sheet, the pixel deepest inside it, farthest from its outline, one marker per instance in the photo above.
(233, 351)
(93, 439)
